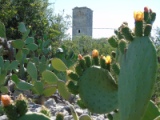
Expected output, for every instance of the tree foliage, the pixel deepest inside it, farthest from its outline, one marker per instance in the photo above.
(36, 15)
(156, 37)
(84, 45)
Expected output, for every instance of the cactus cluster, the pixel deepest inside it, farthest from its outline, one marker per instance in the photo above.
(18, 109)
(134, 62)
(138, 72)
(137, 58)
(93, 81)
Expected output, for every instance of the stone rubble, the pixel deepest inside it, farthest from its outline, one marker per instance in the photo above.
(60, 106)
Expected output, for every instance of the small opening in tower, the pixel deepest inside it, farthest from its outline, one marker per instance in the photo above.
(79, 31)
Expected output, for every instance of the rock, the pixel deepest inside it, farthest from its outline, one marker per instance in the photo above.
(3, 117)
(50, 102)
(79, 111)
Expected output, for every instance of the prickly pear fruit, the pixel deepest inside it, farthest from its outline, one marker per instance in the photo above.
(138, 16)
(116, 68)
(153, 16)
(122, 45)
(9, 109)
(72, 87)
(45, 111)
(60, 116)
(147, 30)
(82, 61)
(103, 62)
(95, 57)
(113, 41)
(113, 54)
(78, 69)
(11, 112)
(72, 75)
(88, 60)
(127, 33)
(21, 105)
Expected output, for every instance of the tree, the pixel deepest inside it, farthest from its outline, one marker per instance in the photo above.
(156, 38)
(35, 14)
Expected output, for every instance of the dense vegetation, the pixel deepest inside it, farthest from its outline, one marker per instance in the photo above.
(37, 15)
(31, 35)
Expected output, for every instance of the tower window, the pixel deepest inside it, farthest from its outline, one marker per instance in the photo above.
(79, 31)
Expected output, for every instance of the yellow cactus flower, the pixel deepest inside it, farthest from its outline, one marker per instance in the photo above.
(108, 59)
(80, 57)
(138, 16)
(95, 53)
(6, 100)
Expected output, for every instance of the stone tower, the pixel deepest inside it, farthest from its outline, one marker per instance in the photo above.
(82, 21)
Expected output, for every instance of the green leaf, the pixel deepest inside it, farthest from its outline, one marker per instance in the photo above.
(1, 62)
(49, 91)
(38, 86)
(25, 51)
(151, 112)
(15, 79)
(58, 64)
(19, 55)
(22, 27)
(13, 65)
(18, 44)
(4, 89)
(2, 79)
(6, 64)
(46, 43)
(2, 30)
(32, 46)
(62, 89)
(42, 67)
(24, 85)
(49, 77)
(25, 34)
(33, 116)
(43, 59)
(36, 60)
(32, 70)
(29, 40)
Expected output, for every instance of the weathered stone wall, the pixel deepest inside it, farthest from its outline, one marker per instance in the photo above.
(82, 21)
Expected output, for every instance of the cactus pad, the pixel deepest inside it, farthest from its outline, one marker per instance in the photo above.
(137, 78)
(34, 116)
(98, 90)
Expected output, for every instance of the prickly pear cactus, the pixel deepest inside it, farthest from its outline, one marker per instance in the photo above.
(137, 75)
(34, 116)
(94, 84)
(98, 90)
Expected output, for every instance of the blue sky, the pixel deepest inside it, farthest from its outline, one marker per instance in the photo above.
(108, 14)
